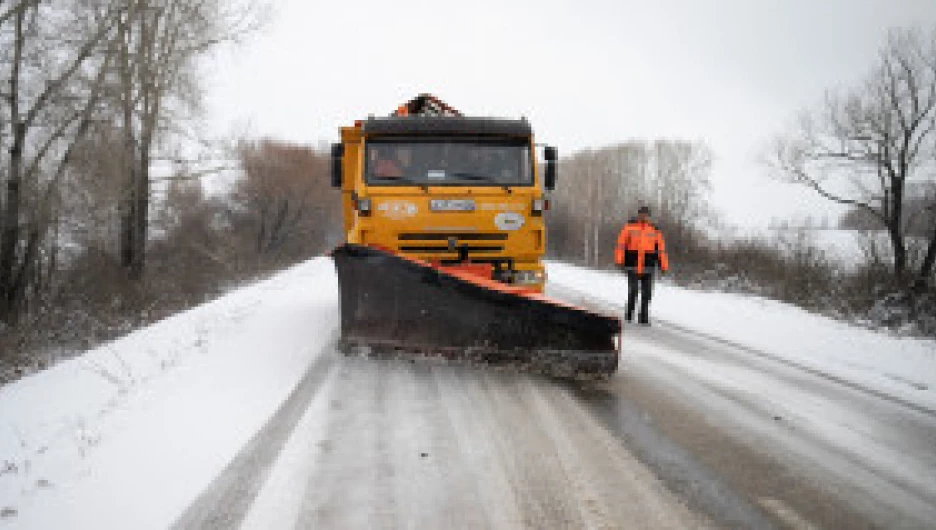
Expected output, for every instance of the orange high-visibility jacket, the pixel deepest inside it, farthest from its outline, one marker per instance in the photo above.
(640, 247)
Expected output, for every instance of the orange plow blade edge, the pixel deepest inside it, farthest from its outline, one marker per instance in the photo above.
(399, 306)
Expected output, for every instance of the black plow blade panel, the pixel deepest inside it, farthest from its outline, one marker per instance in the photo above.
(394, 305)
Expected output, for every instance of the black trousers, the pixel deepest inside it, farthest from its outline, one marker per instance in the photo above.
(644, 284)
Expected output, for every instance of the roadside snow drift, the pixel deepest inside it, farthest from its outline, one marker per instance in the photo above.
(128, 434)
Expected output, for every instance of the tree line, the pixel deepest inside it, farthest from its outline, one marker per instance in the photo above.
(601, 189)
(202, 240)
(113, 211)
(92, 94)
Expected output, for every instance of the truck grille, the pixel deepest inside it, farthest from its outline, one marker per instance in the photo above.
(436, 236)
(446, 250)
(469, 243)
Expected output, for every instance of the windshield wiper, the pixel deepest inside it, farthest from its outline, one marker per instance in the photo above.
(393, 179)
(481, 178)
(472, 176)
(403, 180)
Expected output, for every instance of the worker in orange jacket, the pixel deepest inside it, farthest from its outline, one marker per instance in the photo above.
(640, 249)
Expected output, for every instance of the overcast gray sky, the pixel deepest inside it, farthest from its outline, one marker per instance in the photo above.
(586, 73)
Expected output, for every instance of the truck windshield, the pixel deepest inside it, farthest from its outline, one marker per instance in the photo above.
(449, 162)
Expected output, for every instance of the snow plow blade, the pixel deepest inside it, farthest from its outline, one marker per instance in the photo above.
(399, 306)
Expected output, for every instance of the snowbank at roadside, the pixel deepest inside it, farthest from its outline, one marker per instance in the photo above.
(128, 434)
(902, 367)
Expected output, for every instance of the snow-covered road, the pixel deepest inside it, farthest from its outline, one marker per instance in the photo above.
(389, 444)
(797, 443)
(241, 414)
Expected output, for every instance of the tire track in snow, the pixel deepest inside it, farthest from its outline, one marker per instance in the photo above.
(838, 456)
(433, 445)
(700, 486)
(395, 460)
(238, 485)
(533, 466)
(916, 407)
(346, 483)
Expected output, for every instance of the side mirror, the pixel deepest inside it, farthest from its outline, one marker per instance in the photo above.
(337, 156)
(549, 179)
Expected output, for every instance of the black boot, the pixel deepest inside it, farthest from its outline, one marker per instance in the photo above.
(643, 319)
(633, 283)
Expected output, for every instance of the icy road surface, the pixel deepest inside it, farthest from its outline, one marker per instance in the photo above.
(240, 413)
(390, 444)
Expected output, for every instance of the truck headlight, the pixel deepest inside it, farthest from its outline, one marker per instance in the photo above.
(529, 277)
(364, 206)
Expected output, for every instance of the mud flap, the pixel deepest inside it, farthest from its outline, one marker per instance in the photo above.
(394, 305)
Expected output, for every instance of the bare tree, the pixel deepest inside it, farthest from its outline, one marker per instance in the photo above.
(928, 262)
(160, 44)
(682, 183)
(55, 71)
(74, 68)
(285, 199)
(874, 146)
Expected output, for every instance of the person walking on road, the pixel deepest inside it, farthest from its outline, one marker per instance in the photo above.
(640, 249)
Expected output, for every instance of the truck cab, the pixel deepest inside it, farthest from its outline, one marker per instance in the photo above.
(450, 190)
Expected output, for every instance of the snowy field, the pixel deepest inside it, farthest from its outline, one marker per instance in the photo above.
(849, 247)
(844, 246)
(128, 434)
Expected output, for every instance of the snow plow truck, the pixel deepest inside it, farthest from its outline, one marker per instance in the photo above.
(445, 235)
